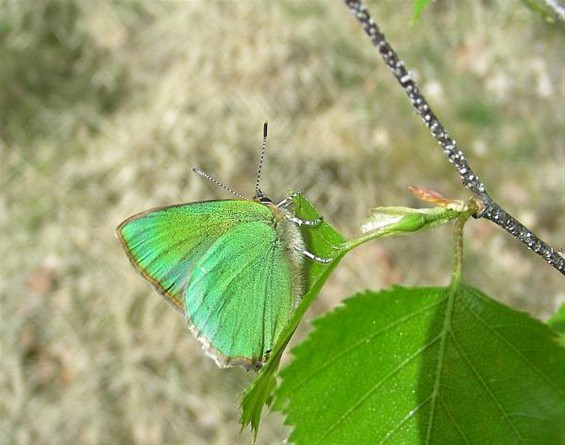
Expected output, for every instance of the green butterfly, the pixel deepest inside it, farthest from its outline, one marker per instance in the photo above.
(233, 267)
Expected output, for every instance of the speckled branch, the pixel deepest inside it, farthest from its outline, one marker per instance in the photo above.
(488, 208)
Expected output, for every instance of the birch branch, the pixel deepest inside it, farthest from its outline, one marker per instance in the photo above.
(489, 209)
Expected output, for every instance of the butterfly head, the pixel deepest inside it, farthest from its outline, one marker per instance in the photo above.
(261, 198)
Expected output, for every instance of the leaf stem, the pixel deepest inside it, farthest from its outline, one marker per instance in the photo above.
(458, 250)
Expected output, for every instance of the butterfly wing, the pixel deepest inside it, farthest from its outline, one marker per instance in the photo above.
(242, 292)
(229, 266)
(163, 244)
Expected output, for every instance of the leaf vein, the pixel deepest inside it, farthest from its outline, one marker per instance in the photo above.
(410, 414)
(359, 402)
(484, 384)
(453, 421)
(534, 368)
(443, 335)
(363, 340)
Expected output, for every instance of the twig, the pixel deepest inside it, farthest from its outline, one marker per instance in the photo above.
(488, 208)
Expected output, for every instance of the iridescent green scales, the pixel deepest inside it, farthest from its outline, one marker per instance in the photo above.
(233, 267)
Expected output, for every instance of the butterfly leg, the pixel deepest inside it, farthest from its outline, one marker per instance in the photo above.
(287, 202)
(305, 222)
(313, 257)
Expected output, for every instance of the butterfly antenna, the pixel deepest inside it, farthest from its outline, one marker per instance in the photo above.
(215, 181)
(258, 191)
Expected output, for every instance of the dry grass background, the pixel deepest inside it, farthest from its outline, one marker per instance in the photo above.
(105, 107)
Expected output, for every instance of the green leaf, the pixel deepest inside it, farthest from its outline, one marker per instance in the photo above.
(557, 323)
(550, 12)
(425, 365)
(324, 241)
(419, 6)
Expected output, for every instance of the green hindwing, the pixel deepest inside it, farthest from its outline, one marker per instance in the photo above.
(230, 266)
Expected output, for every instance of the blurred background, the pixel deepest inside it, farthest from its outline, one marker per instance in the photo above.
(106, 106)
